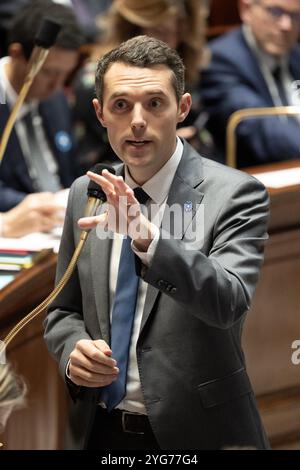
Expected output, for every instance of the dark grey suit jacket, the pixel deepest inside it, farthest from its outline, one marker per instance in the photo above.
(192, 369)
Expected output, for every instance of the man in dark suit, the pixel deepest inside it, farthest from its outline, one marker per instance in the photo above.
(181, 383)
(257, 65)
(40, 154)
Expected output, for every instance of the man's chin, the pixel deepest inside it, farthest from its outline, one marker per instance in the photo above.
(137, 153)
(136, 159)
(278, 50)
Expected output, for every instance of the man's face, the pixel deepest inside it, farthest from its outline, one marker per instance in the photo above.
(274, 23)
(58, 65)
(140, 112)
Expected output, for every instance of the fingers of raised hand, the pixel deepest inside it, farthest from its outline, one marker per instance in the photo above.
(113, 186)
(91, 222)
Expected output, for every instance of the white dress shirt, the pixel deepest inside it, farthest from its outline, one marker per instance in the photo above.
(10, 97)
(157, 188)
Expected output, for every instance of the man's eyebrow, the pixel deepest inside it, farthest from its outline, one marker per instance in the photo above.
(118, 94)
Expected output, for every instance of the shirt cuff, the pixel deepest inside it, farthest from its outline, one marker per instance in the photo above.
(67, 370)
(147, 256)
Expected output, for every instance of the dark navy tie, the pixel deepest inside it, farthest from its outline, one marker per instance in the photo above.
(123, 312)
(280, 86)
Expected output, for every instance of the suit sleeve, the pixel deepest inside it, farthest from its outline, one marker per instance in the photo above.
(217, 288)
(226, 88)
(9, 197)
(64, 324)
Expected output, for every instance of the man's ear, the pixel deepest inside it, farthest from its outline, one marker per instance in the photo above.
(184, 107)
(245, 7)
(98, 110)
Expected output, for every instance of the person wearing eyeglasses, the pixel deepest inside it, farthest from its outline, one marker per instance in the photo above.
(257, 65)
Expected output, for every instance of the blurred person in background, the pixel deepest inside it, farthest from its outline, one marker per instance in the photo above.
(257, 65)
(40, 153)
(35, 213)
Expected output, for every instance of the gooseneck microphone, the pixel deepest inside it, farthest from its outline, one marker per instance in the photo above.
(45, 38)
(47, 33)
(96, 197)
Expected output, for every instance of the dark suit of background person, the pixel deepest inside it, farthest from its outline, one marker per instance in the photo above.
(195, 386)
(47, 162)
(234, 81)
(8, 8)
(15, 181)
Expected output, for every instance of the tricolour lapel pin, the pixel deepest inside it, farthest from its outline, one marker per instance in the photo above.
(188, 206)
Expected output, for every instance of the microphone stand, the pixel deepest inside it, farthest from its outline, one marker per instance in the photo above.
(95, 197)
(92, 206)
(46, 302)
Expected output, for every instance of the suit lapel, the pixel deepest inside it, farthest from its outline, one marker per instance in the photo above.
(100, 264)
(100, 256)
(183, 192)
(250, 63)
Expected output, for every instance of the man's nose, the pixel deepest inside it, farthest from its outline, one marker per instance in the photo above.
(138, 122)
(286, 22)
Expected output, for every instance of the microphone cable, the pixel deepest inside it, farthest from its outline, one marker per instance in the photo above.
(96, 197)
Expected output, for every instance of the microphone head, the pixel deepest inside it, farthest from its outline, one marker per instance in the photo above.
(94, 190)
(47, 33)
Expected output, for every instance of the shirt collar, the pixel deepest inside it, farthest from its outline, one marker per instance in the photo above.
(158, 186)
(263, 57)
(11, 94)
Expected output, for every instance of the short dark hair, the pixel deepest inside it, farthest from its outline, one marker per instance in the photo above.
(142, 51)
(26, 24)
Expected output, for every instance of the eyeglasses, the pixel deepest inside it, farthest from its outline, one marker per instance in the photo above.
(277, 13)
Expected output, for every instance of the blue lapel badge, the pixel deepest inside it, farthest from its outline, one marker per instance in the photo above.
(188, 206)
(63, 141)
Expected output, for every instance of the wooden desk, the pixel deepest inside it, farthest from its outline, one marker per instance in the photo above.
(273, 322)
(40, 424)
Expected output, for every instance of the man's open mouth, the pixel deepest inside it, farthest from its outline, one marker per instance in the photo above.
(137, 143)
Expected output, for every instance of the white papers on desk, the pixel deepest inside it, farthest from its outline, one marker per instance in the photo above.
(33, 242)
(5, 279)
(279, 178)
